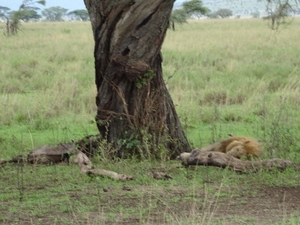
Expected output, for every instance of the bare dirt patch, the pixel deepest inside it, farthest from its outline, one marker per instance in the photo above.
(60, 195)
(269, 205)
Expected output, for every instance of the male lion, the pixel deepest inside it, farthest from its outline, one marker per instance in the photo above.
(237, 146)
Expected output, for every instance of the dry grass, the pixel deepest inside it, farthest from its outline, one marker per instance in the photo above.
(47, 83)
(234, 61)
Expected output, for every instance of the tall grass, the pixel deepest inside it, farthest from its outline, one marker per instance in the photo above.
(47, 83)
(47, 62)
(232, 63)
(235, 76)
(225, 76)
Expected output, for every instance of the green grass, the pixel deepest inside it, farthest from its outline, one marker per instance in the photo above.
(234, 76)
(225, 77)
(60, 193)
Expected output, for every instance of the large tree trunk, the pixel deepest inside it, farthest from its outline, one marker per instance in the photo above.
(133, 103)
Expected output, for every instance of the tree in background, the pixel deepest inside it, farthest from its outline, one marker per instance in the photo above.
(55, 13)
(194, 8)
(26, 9)
(221, 13)
(135, 112)
(188, 10)
(255, 14)
(178, 16)
(80, 14)
(4, 12)
(279, 11)
(29, 15)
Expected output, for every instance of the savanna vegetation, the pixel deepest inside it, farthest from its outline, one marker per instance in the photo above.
(225, 77)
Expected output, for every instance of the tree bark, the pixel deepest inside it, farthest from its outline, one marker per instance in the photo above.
(133, 103)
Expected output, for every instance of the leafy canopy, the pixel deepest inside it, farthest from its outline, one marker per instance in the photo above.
(189, 9)
(80, 14)
(27, 10)
(194, 8)
(4, 11)
(54, 13)
(221, 13)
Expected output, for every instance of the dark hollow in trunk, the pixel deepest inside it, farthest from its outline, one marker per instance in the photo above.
(133, 103)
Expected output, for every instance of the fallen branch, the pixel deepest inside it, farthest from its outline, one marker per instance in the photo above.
(219, 159)
(108, 173)
(86, 167)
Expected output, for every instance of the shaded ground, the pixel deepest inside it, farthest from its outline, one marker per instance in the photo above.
(269, 205)
(81, 200)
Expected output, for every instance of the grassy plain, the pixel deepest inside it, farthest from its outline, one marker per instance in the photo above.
(225, 76)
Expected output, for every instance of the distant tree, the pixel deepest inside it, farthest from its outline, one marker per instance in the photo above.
(26, 10)
(4, 12)
(224, 13)
(189, 9)
(178, 16)
(213, 15)
(80, 14)
(29, 14)
(13, 22)
(255, 14)
(194, 8)
(278, 11)
(221, 13)
(55, 13)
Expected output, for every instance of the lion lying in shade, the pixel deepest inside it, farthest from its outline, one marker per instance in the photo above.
(236, 146)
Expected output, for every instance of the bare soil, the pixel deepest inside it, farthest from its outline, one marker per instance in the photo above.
(269, 205)
(266, 205)
(60, 195)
